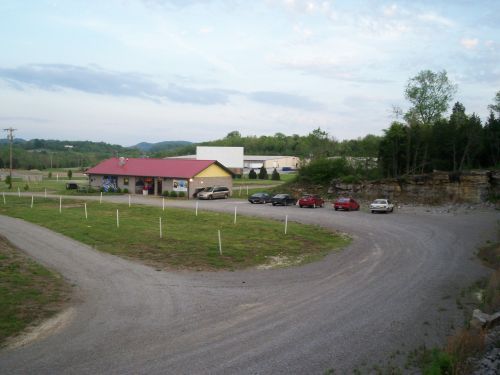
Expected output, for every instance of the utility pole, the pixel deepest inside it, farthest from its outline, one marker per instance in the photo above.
(10, 137)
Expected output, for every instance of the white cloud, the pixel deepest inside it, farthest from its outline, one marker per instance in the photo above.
(436, 19)
(469, 43)
(390, 10)
(206, 30)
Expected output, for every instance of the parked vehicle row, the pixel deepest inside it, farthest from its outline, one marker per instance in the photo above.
(312, 200)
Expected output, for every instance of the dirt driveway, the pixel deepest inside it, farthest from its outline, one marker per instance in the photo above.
(402, 271)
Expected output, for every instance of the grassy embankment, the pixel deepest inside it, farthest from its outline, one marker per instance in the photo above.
(29, 292)
(469, 341)
(189, 241)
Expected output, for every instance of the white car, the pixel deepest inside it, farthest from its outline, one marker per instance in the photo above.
(381, 205)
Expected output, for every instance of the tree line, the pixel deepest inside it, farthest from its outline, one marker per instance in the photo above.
(426, 140)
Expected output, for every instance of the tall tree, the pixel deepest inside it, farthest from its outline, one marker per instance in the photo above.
(495, 107)
(430, 94)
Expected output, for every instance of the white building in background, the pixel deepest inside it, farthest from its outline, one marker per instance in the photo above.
(235, 159)
(271, 162)
(230, 157)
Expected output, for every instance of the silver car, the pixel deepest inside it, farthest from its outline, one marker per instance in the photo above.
(381, 205)
(214, 192)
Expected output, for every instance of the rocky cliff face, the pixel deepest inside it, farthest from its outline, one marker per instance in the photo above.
(437, 187)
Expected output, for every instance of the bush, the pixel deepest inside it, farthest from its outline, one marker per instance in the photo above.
(125, 190)
(165, 193)
(263, 173)
(252, 175)
(50, 174)
(173, 194)
(8, 181)
(350, 179)
(26, 187)
(182, 194)
(70, 174)
(118, 190)
(275, 176)
(322, 171)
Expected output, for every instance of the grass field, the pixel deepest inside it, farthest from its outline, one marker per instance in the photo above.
(189, 241)
(28, 291)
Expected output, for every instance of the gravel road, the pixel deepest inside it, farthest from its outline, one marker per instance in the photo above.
(393, 289)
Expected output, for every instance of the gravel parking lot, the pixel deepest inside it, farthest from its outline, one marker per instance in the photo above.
(355, 307)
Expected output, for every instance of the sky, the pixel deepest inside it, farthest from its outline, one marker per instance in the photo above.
(128, 71)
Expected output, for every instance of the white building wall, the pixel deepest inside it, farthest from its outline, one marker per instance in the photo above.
(230, 157)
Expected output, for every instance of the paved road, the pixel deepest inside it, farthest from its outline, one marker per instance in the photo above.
(402, 271)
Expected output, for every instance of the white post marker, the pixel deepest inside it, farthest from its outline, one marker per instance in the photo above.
(163, 203)
(196, 208)
(161, 232)
(220, 243)
(129, 200)
(60, 204)
(247, 190)
(240, 190)
(18, 192)
(32, 198)
(117, 219)
(86, 216)
(57, 176)
(100, 199)
(235, 212)
(4, 198)
(286, 223)
(45, 193)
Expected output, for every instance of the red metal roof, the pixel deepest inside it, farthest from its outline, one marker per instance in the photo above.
(185, 168)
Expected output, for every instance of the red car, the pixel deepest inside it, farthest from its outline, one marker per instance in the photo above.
(347, 204)
(310, 200)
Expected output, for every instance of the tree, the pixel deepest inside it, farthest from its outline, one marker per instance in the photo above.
(70, 174)
(392, 149)
(430, 94)
(263, 173)
(252, 175)
(495, 107)
(491, 140)
(275, 176)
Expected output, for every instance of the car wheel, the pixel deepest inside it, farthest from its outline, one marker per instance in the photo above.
(226, 196)
(392, 209)
(336, 209)
(211, 197)
(301, 206)
(373, 211)
(274, 204)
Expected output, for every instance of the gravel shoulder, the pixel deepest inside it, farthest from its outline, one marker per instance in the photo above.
(357, 306)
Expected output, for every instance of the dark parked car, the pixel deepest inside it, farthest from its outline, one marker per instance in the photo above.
(259, 198)
(310, 200)
(282, 199)
(347, 204)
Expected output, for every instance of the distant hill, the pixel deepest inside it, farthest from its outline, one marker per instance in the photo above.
(160, 146)
(16, 141)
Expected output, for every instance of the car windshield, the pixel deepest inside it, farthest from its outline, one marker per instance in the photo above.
(208, 188)
(380, 201)
(344, 200)
(259, 195)
(280, 196)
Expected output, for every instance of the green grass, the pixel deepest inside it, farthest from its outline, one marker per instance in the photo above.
(52, 185)
(28, 291)
(246, 181)
(189, 241)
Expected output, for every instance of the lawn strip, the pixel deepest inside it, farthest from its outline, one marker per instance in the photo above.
(189, 241)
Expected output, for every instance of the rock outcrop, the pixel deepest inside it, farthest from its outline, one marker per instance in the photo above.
(437, 187)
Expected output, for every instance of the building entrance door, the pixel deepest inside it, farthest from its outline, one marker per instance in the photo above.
(158, 185)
